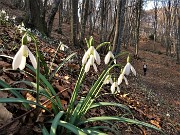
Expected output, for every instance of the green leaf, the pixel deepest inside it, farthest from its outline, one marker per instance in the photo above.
(102, 44)
(45, 131)
(49, 86)
(46, 69)
(17, 94)
(110, 104)
(72, 128)
(87, 42)
(19, 100)
(55, 123)
(60, 65)
(120, 119)
(93, 131)
(91, 41)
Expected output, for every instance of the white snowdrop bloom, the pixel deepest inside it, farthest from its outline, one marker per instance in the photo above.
(97, 57)
(28, 38)
(19, 60)
(108, 57)
(90, 63)
(168, 115)
(129, 68)
(14, 17)
(115, 87)
(7, 18)
(3, 11)
(108, 80)
(89, 58)
(21, 28)
(62, 47)
(120, 79)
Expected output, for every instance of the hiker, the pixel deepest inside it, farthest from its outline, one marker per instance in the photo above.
(145, 69)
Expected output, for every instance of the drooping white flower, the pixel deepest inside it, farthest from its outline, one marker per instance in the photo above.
(108, 80)
(108, 57)
(129, 68)
(3, 11)
(90, 63)
(89, 58)
(28, 38)
(62, 47)
(21, 28)
(14, 17)
(115, 87)
(19, 60)
(7, 18)
(120, 79)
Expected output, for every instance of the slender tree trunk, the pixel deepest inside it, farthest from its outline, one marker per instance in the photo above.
(121, 17)
(51, 16)
(85, 10)
(34, 17)
(138, 15)
(60, 17)
(74, 22)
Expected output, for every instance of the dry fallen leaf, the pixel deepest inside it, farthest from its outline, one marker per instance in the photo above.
(4, 113)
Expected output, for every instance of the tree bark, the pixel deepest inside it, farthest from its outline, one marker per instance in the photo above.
(74, 22)
(51, 16)
(119, 27)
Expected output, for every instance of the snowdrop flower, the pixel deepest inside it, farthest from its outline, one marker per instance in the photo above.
(62, 47)
(129, 68)
(108, 80)
(14, 17)
(21, 28)
(28, 38)
(120, 79)
(115, 87)
(108, 57)
(7, 18)
(90, 63)
(19, 60)
(3, 11)
(89, 57)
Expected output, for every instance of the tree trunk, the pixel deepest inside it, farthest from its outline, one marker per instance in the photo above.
(74, 22)
(138, 15)
(51, 16)
(34, 18)
(119, 27)
(85, 9)
(60, 17)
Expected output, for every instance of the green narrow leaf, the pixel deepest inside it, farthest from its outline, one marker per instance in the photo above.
(102, 44)
(60, 65)
(17, 94)
(91, 130)
(72, 128)
(55, 123)
(19, 100)
(49, 86)
(45, 131)
(110, 104)
(87, 42)
(91, 41)
(120, 119)
(46, 69)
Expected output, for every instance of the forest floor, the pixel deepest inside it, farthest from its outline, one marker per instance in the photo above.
(153, 98)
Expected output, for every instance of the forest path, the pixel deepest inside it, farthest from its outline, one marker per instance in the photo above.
(162, 82)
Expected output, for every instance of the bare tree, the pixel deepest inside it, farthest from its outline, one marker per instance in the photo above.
(74, 22)
(119, 26)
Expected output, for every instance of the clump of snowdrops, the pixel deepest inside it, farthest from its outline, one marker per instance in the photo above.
(72, 119)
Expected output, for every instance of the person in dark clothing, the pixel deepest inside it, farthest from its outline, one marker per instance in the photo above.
(145, 69)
